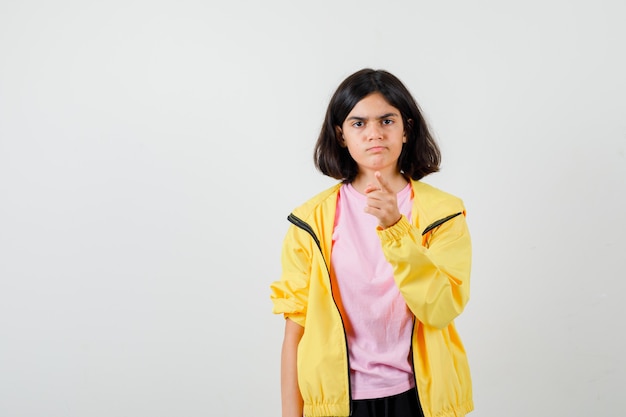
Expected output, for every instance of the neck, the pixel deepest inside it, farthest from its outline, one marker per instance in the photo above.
(396, 181)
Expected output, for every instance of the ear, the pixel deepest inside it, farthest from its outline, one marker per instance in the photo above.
(409, 126)
(339, 136)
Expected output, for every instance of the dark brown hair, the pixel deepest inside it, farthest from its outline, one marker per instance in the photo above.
(420, 155)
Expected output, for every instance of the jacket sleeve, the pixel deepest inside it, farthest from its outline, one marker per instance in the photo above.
(431, 271)
(290, 294)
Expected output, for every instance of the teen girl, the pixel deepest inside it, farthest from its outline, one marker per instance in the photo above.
(375, 269)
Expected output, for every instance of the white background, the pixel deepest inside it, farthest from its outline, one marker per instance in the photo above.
(150, 152)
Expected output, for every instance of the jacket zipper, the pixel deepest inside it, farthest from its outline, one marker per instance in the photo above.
(417, 391)
(307, 228)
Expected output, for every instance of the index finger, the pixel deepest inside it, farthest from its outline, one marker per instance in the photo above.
(384, 185)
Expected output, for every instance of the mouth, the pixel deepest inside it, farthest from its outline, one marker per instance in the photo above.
(376, 149)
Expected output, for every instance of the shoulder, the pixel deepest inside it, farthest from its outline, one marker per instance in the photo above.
(321, 201)
(434, 201)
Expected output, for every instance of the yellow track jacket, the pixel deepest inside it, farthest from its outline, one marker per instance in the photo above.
(431, 260)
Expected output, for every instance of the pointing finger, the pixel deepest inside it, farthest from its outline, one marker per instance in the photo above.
(382, 183)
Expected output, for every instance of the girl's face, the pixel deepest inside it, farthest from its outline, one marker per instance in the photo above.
(374, 134)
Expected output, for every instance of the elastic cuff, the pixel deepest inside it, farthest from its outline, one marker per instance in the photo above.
(395, 232)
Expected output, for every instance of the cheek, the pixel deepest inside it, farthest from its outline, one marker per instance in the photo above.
(353, 150)
(350, 141)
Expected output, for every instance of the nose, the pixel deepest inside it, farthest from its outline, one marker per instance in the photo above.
(374, 132)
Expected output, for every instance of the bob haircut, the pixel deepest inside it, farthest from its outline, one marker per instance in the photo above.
(420, 155)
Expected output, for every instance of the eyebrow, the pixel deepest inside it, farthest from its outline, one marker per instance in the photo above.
(384, 116)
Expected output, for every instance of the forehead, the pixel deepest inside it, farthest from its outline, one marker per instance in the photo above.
(372, 105)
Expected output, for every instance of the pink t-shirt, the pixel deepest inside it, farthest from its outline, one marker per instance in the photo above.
(378, 322)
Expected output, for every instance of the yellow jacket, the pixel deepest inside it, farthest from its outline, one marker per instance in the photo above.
(431, 260)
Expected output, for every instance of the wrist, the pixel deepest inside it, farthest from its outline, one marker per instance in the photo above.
(383, 227)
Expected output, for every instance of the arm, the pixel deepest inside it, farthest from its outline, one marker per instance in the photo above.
(290, 393)
(433, 280)
(432, 273)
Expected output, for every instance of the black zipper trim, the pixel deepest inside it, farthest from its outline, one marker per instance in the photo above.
(417, 391)
(440, 222)
(305, 226)
(296, 221)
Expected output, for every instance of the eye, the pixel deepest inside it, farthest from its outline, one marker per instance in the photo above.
(357, 124)
(387, 121)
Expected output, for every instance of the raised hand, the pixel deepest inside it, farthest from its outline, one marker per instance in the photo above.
(382, 202)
